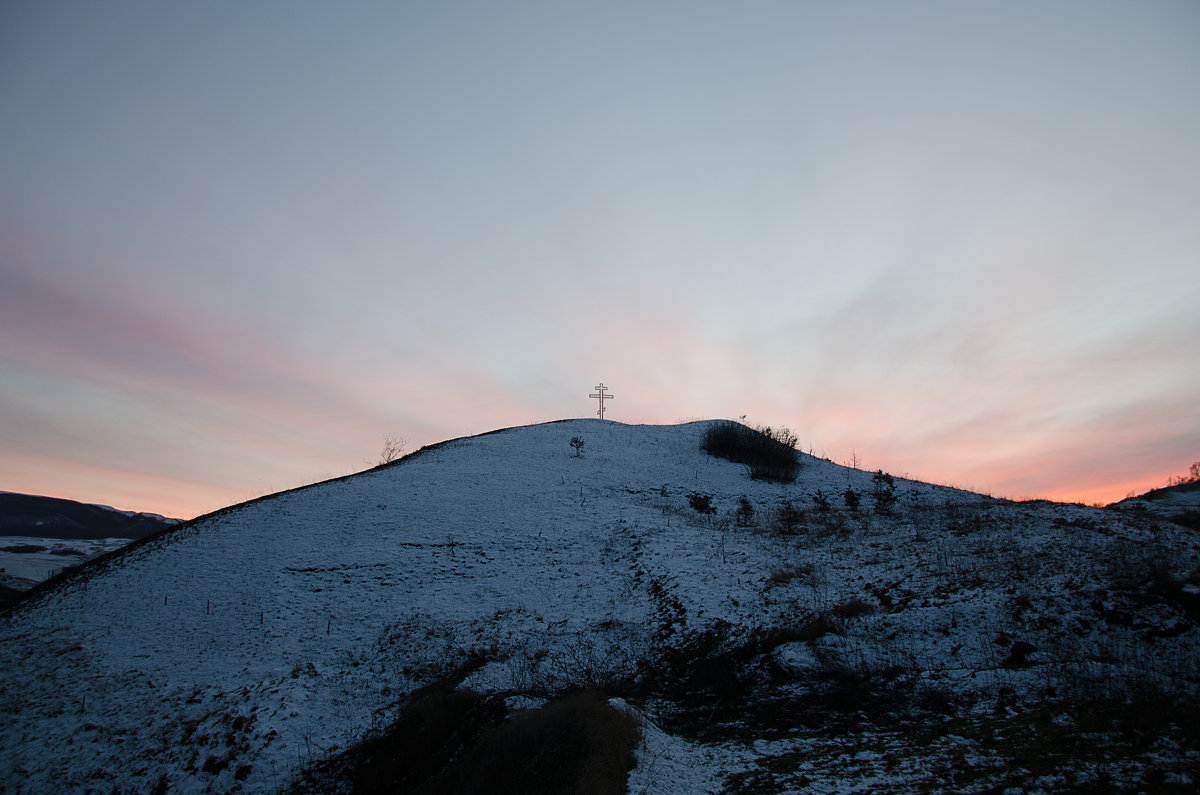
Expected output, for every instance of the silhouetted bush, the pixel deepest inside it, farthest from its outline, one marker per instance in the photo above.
(769, 452)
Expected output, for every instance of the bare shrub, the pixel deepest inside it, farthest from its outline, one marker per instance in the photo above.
(804, 572)
(393, 448)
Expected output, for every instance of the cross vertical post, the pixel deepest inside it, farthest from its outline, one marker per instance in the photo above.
(599, 395)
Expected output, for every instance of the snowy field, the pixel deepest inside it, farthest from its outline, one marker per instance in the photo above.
(239, 649)
(54, 555)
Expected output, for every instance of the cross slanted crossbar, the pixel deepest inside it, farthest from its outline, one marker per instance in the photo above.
(599, 395)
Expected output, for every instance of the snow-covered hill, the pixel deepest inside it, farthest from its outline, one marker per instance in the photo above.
(771, 645)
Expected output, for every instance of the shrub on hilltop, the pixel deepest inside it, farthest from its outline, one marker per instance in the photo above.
(770, 453)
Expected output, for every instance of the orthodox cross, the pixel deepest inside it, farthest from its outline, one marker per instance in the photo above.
(600, 389)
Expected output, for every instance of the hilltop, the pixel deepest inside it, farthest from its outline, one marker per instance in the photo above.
(762, 636)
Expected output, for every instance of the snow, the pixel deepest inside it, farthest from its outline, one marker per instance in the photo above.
(670, 765)
(57, 555)
(234, 650)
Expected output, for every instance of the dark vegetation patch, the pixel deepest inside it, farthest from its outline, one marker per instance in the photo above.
(770, 453)
(802, 572)
(577, 744)
(701, 503)
(448, 739)
(23, 549)
(1110, 745)
(891, 727)
(1189, 519)
(720, 660)
(9, 594)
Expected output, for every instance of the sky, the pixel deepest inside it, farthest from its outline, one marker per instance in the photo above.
(243, 243)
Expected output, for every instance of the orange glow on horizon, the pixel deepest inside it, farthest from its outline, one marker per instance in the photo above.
(124, 490)
(1102, 495)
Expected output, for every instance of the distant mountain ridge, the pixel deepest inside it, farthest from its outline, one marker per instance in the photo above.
(53, 517)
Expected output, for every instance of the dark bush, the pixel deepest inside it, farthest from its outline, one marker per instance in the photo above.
(701, 503)
(769, 452)
(579, 744)
(459, 741)
(432, 731)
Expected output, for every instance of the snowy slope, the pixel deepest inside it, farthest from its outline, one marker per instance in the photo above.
(1168, 501)
(234, 650)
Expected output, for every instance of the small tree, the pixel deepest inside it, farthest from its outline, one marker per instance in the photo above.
(884, 492)
(852, 499)
(393, 448)
(577, 443)
(788, 518)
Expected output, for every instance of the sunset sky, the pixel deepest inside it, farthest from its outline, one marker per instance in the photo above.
(242, 242)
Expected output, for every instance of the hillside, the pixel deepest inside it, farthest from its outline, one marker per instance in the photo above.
(293, 641)
(1179, 504)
